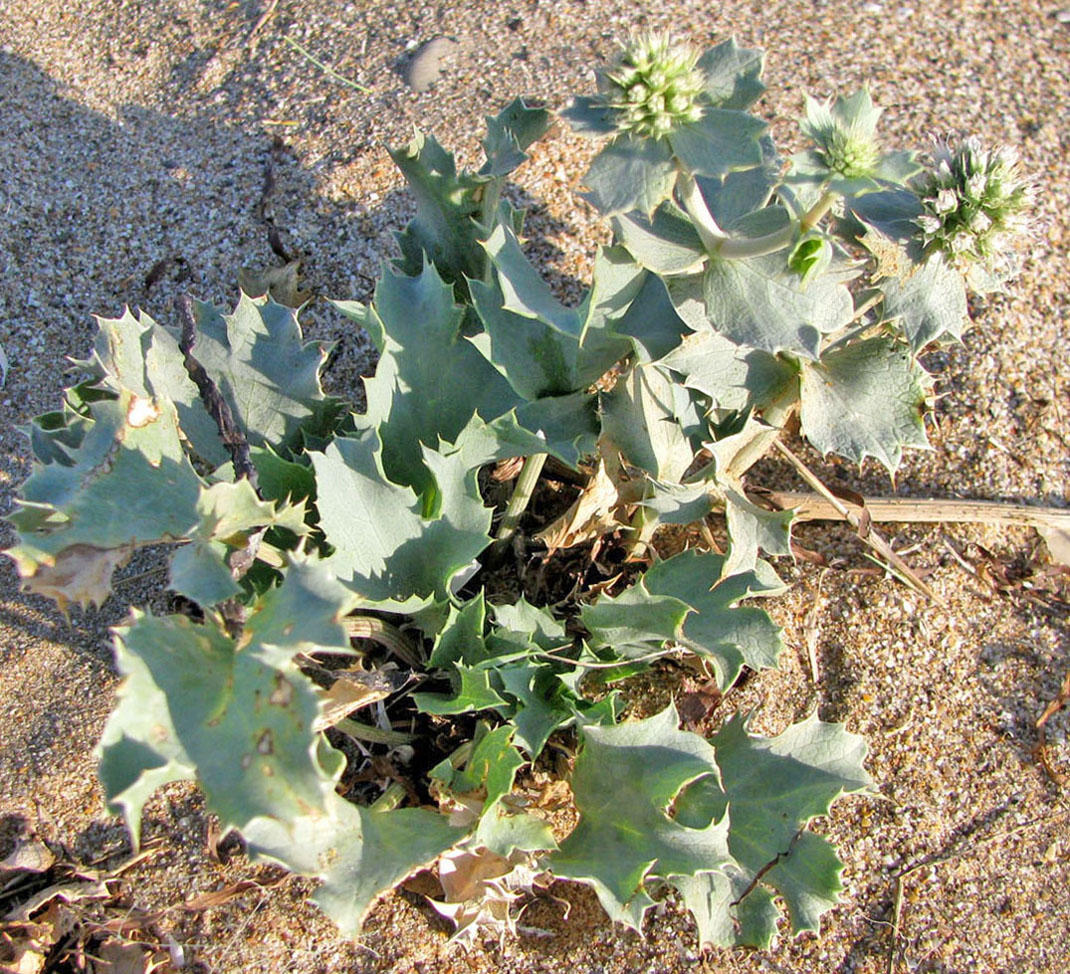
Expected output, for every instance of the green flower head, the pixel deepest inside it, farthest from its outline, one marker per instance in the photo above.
(654, 86)
(975, 202)
(843, 134)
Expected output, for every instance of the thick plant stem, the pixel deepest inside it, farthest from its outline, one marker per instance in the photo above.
(711, 234)
(717, 242)
(389, 799)
(522, 491)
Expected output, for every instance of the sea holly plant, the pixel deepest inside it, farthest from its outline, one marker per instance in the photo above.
(358, 666)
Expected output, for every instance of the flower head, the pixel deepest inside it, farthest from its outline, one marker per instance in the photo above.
(843, 135)
(974, 201)
(654, 86)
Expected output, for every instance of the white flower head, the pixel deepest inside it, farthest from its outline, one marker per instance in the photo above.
(975, 201)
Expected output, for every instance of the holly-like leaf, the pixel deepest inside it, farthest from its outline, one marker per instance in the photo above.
(474, 690)
(140, 355)
(760, 302)
(127, 484)
(641, 418)
(369, 852)
(753, 529)
(429, 381)
(266, 372)
(732, 75)
(461, 639)
(385, 546)
(591, 117)
(535, 622)
(734, 377)
(140, 749)
(651, 323)
(239, 717)
(928, 304)
(227, 511)
(446, 229)
(721, 141)
(630, 174)
(625, 780)
(665, 242)
(865, 399)
(509, 134)
(486, 778)
(772, 787)
(540, 346)
(730, 635)
(633, 622)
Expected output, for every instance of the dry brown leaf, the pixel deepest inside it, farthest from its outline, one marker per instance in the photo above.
(283, 284)
(480, 888)
(591, 515)
(28, 856)
(207, 901)
(81, 573)
(70, 892)
(116, 957)
(1058, 542)
(350, 692)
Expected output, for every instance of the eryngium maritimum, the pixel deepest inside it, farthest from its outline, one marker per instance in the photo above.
(975, 201)
(654, 86)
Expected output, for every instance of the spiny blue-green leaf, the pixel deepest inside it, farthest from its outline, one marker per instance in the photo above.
(509, 133)
(541, 707)
(140, 355)
(719, 628)
(488, 775)
(893, 212)
(721, 141)
(732, 75)
(753, 529)
(734, 377)
(140, 750)
(540, 346)
(760, 302)
(264, 369)
(448, 207)
(242, 717)
(865, 399)
(55, 435)
(227, 511)
(430, 381)
(630, 174)
(676, 503)
(772, 788)
(651, 322)
(536, 622)
(566, 427)
(384, 546)
(625, 780)
(370, 852)
(737, 197)
(928, 304)
(633, 622)
(591, 117)
(474, 690)
(461, 639)
(641, 417)
(127, 484)
(666, 242)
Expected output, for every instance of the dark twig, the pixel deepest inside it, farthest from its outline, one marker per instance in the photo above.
(237, 446)
(1040, 749)
(233, 438)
